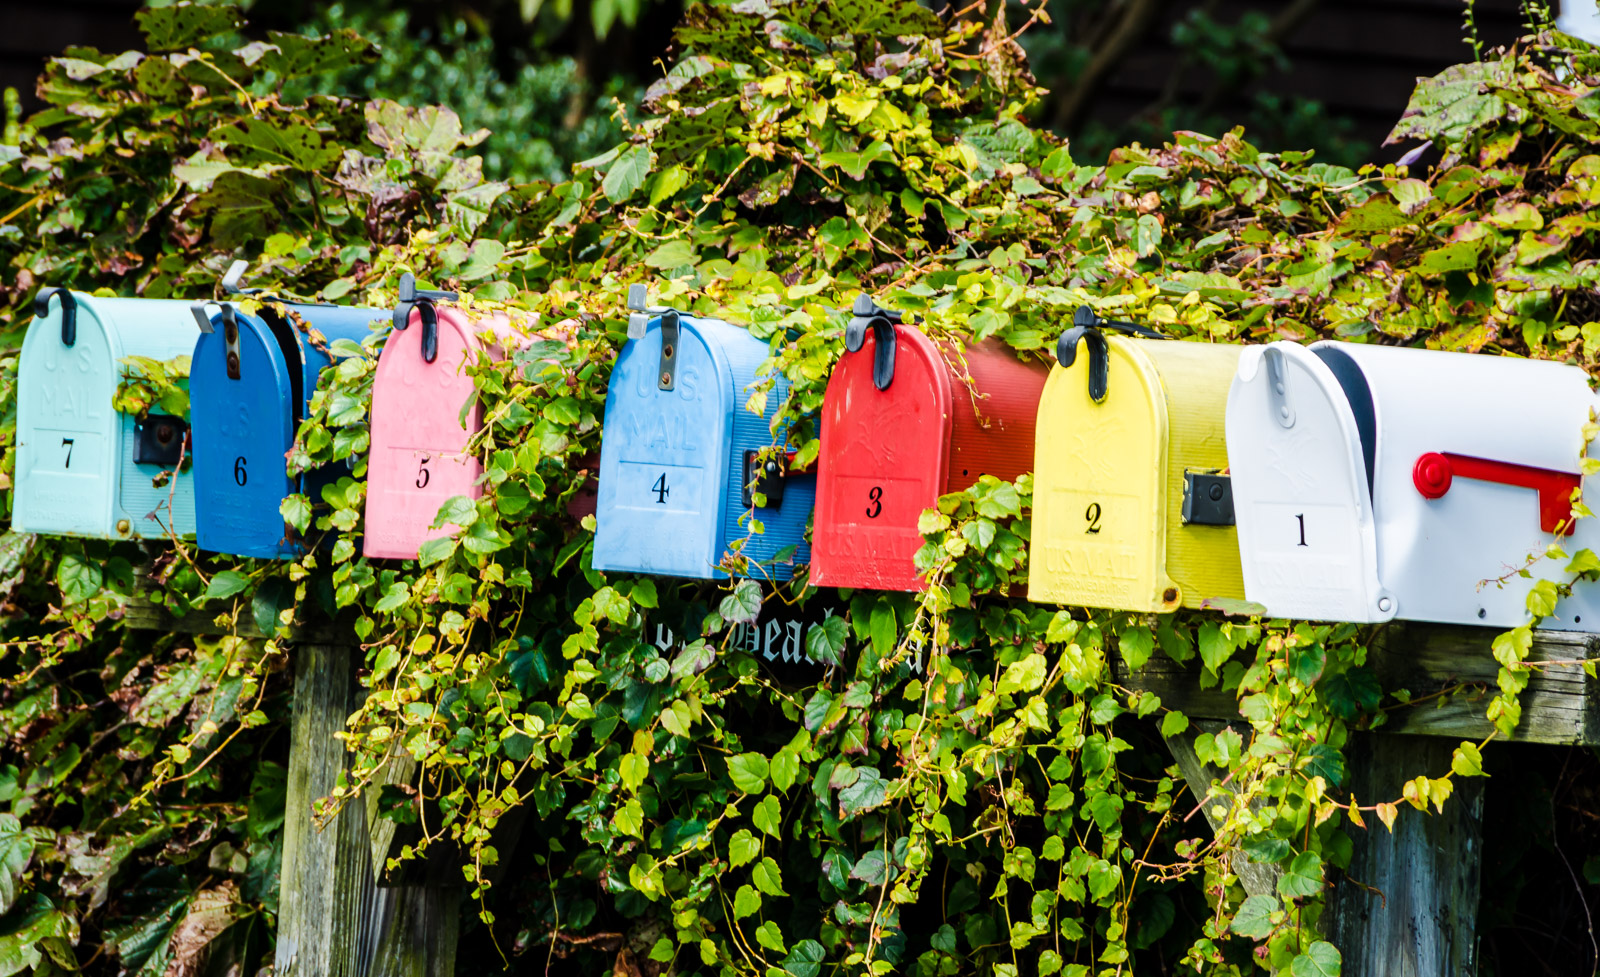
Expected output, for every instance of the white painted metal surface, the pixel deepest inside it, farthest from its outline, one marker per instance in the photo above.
(1374, 482)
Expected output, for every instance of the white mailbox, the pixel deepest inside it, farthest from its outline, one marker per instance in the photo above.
(1375, 482)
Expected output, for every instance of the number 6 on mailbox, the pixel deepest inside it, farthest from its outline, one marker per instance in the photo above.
(1131, 506)
(1374, 482)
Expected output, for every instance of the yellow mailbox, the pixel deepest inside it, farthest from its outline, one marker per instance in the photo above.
(1132, 505)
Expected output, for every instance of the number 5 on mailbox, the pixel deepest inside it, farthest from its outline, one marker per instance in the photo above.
(681, 459)
(1132, 508)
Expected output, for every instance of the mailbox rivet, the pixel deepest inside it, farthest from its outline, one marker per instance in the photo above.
(666, 351)
(1384, 604)
(1482, 612)
(1283, 411)
(233, 363)
(123, 526)
(1170, 595)
(1216, 493)
(1280, 388)
(164, 434)
(666, 378)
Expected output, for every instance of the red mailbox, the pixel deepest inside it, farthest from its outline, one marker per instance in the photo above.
(906, 419)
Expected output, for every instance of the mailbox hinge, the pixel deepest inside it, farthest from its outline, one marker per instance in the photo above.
(1089, 327)
(421, 299)
(1207, 499)
(69, 311)
(867, 314)
(158, 439)
(640, 312)
(230, 330)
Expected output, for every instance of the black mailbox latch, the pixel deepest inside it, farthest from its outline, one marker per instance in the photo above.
(765, 476)
(1207, 499)
(158, 440)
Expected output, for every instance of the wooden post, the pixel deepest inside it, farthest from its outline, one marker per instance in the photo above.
(333, 919)
(1408, 905)
(1205, 783)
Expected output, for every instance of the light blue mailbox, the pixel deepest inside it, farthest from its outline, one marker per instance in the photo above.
(679, 454)
(251, 385)
(83, 469)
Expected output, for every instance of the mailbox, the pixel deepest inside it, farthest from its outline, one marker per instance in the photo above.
(906, 419)
(1129, 509)
(681, 457)
(1375, 482)
(419, 457)
(251, 381)
(82, 468)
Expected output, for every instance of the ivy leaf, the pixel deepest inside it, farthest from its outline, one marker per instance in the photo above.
(743, 604)
(743, 847)
(16, 851)
(1215, 648)
(185, 24)
(868, 793)
(873, 868)
(78, 578)
(1306, 662)
(883, 629)
(805, 960)
(1254, 918)
(767, 816)
(695, 658)
(746, 902)
(1303, 876)
(767, 877)
(1321, 959)
(296, 511)
(825, 640)
(271, 599)
(226, 584)
(748, 772)
(1136, 643)
(457, 510)
(627, 174)
(769, 936)
(1467, 760)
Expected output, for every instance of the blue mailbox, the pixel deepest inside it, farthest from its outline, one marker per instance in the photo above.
(680, 454)
(250, 386)
(82, 468)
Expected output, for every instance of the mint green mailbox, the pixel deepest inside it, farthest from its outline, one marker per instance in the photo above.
(83, 469)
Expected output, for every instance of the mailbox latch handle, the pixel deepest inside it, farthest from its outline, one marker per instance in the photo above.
(766, 476)
(69, 311)
(1207, 498)
(865, 314)
(421, 299)
(1435, 470)
(1087, 326)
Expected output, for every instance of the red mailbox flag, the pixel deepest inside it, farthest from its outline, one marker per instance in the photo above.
(901, 426)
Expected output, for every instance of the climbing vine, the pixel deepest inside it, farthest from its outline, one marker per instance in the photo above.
(957, 781)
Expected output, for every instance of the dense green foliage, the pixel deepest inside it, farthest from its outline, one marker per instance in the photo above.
(964, 787)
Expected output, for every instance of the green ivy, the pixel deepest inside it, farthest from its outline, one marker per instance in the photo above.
(961, 783)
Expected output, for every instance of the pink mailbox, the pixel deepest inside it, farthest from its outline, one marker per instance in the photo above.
(419, 457)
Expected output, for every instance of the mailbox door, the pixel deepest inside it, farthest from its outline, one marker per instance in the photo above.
(664, 459)
(1301, 493)
(1099, 526)
(160, 329)
(310, 352)
(1455, 558)
(884, 460)
(418, 458)
(66, 429)
(243, 429)
(992, 423)
(1202, 560)
(781, 544)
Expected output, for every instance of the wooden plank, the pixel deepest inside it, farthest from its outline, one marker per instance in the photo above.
(1450, 673)
(1205, 783)
(1408, 904)
(148, 616)
(333, 920)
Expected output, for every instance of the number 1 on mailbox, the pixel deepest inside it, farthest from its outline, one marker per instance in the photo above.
(1376, 482)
